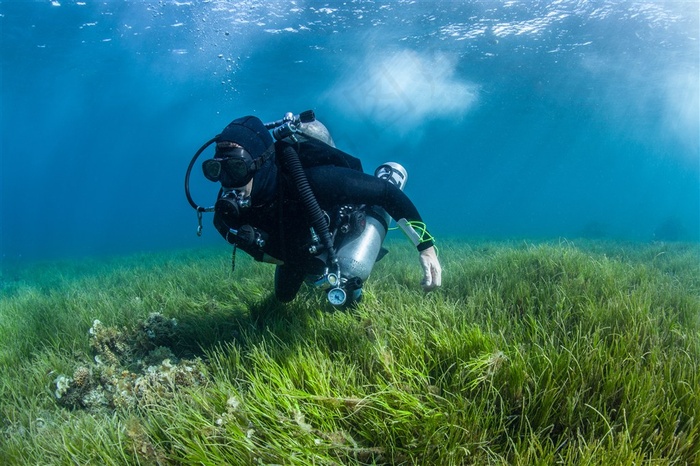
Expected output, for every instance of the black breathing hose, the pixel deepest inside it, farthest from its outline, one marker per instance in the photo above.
(291, 159)
(194, 205)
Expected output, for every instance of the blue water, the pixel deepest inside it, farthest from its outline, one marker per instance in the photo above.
(516, 119)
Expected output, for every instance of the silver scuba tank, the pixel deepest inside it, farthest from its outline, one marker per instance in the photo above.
(357, 255)
(317, 130)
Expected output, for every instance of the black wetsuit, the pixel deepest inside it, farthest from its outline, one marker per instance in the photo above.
(336, 179)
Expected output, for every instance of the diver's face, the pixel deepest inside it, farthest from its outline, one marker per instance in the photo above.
(232, 166)
(244, 191)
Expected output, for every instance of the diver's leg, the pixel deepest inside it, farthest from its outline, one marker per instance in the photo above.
(288, 280)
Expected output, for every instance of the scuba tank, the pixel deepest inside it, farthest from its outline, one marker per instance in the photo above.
(358, 251)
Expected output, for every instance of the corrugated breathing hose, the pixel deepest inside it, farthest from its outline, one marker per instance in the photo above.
(318, 221)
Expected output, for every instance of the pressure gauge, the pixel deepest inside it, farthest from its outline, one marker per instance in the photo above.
(337, 296)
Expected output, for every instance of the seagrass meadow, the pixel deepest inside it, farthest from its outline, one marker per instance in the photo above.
(565, 352)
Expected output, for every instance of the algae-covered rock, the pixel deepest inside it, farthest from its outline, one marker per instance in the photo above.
(159, 330)
(109, 344)
(130, 368)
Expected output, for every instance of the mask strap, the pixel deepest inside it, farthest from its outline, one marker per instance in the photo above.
(260, 161)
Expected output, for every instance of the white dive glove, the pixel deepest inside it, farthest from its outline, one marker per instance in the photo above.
(432, 272)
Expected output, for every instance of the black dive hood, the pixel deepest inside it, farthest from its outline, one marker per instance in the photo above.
(287, 126)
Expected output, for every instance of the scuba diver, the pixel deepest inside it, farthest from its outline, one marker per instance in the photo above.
(302, 204)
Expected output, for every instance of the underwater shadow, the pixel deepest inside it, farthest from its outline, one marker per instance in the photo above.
(200, 333)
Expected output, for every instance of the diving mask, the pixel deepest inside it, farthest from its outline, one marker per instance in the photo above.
(233, 168)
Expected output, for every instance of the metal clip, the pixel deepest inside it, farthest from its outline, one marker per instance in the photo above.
(199, 223)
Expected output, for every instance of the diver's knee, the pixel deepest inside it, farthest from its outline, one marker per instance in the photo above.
(288, 280)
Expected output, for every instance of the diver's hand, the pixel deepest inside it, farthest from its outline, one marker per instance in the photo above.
(432, 272)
